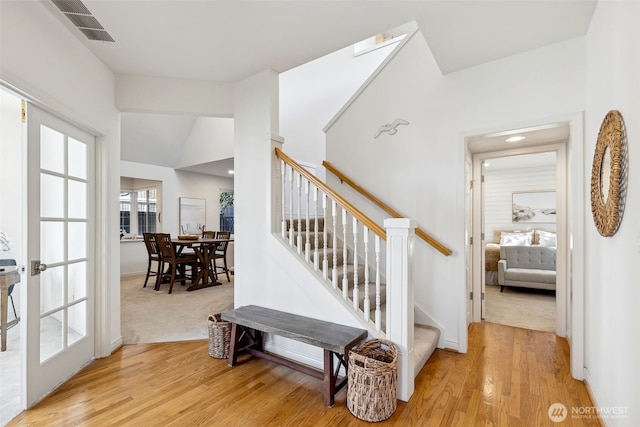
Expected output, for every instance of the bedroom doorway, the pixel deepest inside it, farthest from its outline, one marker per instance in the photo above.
(517, 162)
(507, 181)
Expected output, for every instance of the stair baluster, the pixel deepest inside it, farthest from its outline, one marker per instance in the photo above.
(291, 221)
(356, 291)
(299, 235)
(283, 176)
(378, 311)
(307, 242)
(316, 260)
(334, 276)
(345, 278)
(367, 302)
(325, 260)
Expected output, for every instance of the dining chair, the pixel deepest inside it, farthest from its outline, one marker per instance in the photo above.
(9, 263)
(220, 252)
(209, 234)
(154, 256)
(223, 235)
(177, 263)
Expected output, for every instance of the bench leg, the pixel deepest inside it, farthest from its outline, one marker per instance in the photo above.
(329, 379)
(233, 345)
(242, 339)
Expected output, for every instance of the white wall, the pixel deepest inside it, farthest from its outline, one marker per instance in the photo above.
(420, 170)
(255, 120)
(175, 184)
(42, 58)
(311, 94)
(612, 264)
(499, 186)
(163, 95)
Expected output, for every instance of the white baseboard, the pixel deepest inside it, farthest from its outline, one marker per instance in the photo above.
(450, 345)
(594, 398)
(116, 344)
(281, 347)
(295, 350)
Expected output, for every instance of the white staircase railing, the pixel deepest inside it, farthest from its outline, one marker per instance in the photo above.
(351, 255)
(316, 221)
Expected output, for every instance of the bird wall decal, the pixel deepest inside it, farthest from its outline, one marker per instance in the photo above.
(391, 127)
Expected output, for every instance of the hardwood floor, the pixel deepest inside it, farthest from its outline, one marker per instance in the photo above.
(509, 377)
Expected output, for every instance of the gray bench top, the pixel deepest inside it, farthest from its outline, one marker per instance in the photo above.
(329, 336)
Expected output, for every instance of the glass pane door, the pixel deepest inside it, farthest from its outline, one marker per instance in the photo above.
(60, 284)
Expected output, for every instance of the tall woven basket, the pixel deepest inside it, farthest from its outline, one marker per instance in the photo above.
(219, 337)
(372, 380)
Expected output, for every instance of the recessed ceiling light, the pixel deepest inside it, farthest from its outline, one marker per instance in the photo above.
(231, 171)
(516, 138)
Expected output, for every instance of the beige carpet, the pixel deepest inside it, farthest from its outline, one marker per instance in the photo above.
(150, 316)
(523, 308)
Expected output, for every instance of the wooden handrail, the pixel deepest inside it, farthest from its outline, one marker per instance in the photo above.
(388, 209)
(368, 222)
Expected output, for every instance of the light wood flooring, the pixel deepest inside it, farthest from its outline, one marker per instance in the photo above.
(509, 377)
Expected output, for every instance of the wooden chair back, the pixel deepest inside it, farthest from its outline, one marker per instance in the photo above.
(151, 244)
(165, 247)
(223, 235)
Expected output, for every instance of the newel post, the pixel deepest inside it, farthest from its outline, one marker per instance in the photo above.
(400, 235)
(274, 183)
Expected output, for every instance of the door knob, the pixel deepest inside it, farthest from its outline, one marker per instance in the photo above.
(37, 267)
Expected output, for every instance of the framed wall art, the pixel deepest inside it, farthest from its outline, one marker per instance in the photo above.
(192, 215)
(534, 207)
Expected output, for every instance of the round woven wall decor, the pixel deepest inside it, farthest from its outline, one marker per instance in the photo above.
(608, 175)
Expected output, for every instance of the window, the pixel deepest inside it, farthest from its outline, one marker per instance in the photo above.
(138, 212)
(226, 211)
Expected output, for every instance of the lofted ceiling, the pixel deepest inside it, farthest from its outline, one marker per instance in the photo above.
(157, 136)
(228, 41)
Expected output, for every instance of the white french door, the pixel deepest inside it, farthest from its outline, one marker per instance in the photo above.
(60, 250)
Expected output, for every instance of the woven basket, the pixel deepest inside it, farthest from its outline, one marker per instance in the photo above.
(219, 337)
(372, 380)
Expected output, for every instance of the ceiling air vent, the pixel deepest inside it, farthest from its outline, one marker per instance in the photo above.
(83, 20)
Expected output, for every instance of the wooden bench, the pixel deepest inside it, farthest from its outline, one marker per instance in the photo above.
(250, 322)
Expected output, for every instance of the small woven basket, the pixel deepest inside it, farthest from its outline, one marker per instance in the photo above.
(219, 337)
(372, 380)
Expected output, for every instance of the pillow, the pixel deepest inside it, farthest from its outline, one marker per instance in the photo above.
(516, 239)
(547, 238)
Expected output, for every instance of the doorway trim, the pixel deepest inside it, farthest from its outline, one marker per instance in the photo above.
(561, 202)
(103, 346)
(572, 229)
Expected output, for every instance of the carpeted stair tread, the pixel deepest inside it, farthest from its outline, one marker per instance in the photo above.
(425, 341)
(303, 224)
(350, 271)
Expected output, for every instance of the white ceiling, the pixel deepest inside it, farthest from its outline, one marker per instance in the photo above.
(230, 40)
(534, 136)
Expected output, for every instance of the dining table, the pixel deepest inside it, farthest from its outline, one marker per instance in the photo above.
(204, 248)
